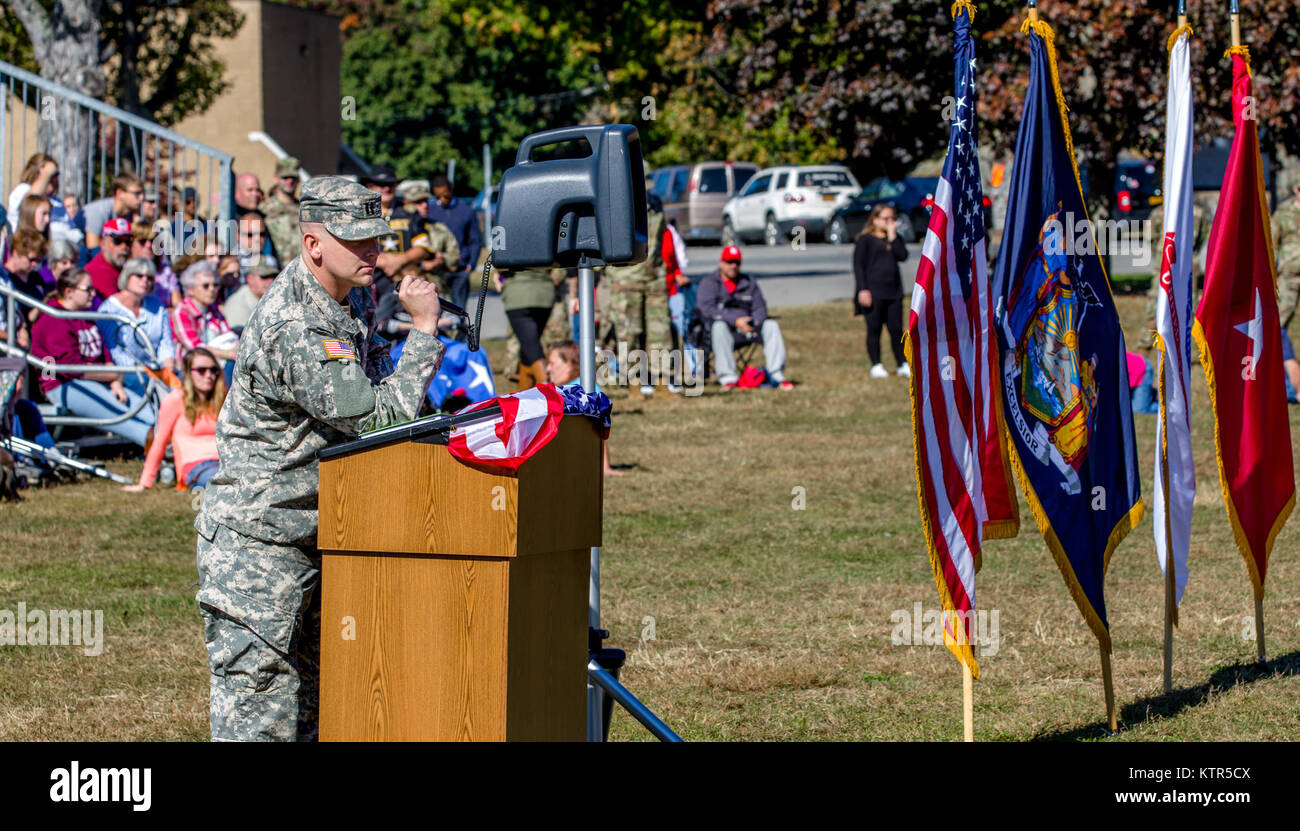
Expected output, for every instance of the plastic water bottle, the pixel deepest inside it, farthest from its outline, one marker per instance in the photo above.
(167, 474)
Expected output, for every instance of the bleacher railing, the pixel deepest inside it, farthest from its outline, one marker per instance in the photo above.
(13, 298)
(107, 141)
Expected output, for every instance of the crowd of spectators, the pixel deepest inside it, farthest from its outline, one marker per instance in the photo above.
(176, 317)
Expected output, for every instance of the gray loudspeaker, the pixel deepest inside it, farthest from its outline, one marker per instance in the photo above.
(556, 212)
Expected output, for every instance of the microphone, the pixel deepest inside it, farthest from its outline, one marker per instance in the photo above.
(452, 308)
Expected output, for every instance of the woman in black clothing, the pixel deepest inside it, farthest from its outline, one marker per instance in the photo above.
(876, 255)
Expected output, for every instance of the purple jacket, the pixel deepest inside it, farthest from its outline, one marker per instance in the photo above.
(715, 303)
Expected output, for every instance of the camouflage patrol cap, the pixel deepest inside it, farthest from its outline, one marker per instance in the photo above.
(414, 190)
(263, 267)
(346, 209)
(288, 166)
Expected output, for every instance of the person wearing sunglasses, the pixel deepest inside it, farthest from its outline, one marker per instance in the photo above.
(69, 341)
(187, 420)
(197, 321)
(128, 192)
(238, 308)
(135, 300)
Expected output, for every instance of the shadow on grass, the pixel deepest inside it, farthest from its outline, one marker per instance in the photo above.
(1168, 705)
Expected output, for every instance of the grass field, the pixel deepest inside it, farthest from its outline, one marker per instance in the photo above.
(744, 617)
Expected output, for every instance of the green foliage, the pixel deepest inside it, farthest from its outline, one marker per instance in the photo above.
(15, 46)
(166, 68)
(158, 54)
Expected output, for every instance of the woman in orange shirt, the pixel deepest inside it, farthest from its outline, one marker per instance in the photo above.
(188, 419)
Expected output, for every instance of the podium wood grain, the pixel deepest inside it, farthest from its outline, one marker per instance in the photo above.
(418, 498)
(457, 634)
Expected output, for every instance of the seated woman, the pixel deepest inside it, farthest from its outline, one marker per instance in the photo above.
(563, 367)
(136, 301)
(167, 286)
(86, 394)
(198, 322)
(188, 419)
(62, 256)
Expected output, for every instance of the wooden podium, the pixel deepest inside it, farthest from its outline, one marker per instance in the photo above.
(454, 601)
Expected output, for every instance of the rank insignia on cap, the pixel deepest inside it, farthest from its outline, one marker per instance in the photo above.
(371, 208)
(339, 349)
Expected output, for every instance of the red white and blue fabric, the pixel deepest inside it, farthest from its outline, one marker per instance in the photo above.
(528, 420)
(963, 482)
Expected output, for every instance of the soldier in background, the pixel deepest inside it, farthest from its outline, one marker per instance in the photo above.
(309, 373)
(1202, 217)
(555, 332)
(281, 210)
(637, 296)
(1286, 249)
(439, 241)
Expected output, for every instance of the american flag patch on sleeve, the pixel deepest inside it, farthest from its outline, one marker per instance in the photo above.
(339, 349)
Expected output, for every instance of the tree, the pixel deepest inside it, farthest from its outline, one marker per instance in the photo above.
(65, 43)
(861, 81)
(157, 53)
(166, 67)
(1114, 64)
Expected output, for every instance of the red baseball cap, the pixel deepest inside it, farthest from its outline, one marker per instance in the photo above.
(116, 227)
(731, 254)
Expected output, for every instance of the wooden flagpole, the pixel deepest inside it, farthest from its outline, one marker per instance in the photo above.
(1259, 627)
(967, 704)
(1109, 684)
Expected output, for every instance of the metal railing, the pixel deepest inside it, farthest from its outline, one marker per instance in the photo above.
(94, 142)
(13, 298)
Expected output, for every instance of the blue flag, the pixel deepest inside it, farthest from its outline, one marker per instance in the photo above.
(1063, 368)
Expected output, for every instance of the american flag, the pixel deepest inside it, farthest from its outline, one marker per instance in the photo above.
(339, 349)
(527, 422)
(962, 475)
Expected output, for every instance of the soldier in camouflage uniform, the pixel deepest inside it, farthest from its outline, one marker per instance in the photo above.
(558, 327)
(309, 373)
(438, 240)
(637, 295)
(1286, 249)
(281, 210)
(1201, 220)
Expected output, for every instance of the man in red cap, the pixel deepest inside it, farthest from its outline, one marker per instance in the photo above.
(733, 305)
(114, 248)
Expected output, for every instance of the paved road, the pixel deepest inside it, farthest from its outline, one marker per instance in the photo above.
(816, 274)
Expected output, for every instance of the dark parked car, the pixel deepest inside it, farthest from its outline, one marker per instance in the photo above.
(1137, 188)
(912, 198)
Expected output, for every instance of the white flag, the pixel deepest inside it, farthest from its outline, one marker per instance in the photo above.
(1174, 466)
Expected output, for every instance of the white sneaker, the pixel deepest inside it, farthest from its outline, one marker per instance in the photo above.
(675, 389)
(878, 371)
(647, 390)
(904, 371)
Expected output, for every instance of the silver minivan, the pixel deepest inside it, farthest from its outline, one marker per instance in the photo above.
(693, 194)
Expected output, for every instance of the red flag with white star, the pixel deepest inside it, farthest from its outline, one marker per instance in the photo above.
(1240, 339)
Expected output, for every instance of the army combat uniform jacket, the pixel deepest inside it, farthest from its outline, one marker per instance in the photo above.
(306, 376)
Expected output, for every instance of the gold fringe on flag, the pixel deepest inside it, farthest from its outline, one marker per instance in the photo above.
(1242, 50)
(1184, 29)
(963, 4)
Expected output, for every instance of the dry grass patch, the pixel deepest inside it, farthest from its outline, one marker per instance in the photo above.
(768, 623)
